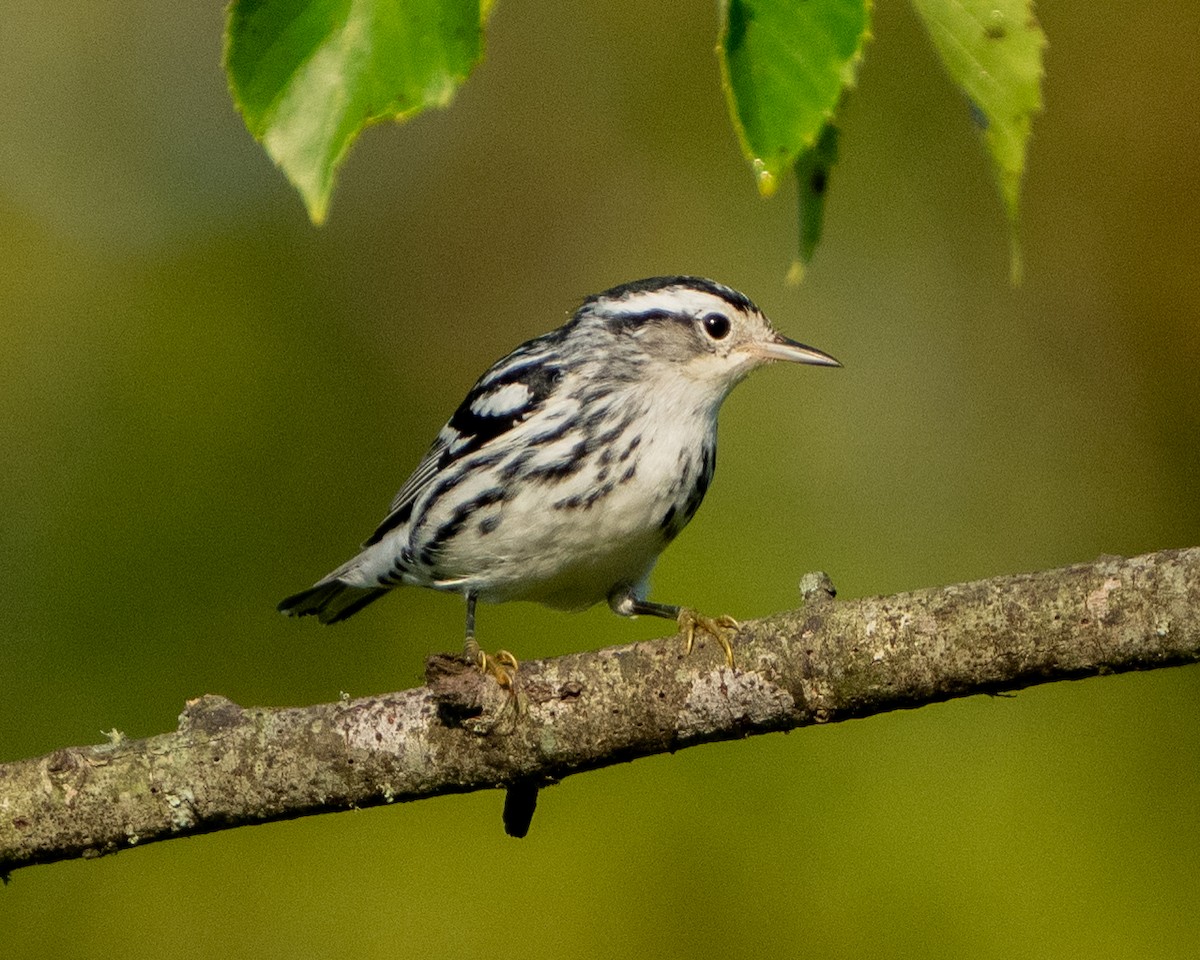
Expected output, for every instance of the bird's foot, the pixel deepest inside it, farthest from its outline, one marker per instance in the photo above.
(502, 665)
(722, 629)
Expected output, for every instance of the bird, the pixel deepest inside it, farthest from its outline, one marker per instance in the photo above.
(571, 464)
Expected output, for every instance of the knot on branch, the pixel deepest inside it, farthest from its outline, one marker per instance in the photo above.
(210, 714)
(466, 697)
(816, 586)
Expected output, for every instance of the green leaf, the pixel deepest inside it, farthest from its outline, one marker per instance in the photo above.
(812, 179)
(785, 64)
(993, 50)
(308, 75)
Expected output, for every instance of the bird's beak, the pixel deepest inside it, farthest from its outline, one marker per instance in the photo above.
(780, 347)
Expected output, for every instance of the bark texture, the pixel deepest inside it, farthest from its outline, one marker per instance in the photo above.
(829, 660)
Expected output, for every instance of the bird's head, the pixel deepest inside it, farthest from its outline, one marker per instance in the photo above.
(692, 328)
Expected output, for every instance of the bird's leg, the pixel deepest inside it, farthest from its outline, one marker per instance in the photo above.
(722, 629)
(502, 665)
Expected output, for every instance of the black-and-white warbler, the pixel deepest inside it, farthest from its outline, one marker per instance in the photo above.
(572, 462)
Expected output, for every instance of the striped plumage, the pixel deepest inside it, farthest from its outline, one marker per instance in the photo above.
(573, 461)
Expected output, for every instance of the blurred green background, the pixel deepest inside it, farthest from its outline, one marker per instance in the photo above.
(207, 403)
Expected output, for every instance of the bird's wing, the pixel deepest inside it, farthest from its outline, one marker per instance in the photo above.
(426, 470)
(513, 390)
(402, 504)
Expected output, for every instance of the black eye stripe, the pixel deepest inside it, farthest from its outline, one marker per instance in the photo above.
(716, 325)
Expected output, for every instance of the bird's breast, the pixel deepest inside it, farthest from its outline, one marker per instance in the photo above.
(569, 518)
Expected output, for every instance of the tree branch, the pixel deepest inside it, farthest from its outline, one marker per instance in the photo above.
(827, 661)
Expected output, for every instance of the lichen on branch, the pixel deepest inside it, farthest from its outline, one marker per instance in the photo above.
(828, 660)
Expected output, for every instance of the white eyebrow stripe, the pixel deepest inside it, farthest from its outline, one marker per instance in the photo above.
(675, 300)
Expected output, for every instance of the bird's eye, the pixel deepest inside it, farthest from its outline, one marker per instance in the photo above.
(716, 325)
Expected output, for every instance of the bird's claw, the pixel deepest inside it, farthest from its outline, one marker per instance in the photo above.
(501, 665)
(722, 629)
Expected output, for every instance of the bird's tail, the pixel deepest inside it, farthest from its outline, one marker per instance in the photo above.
(330, 600)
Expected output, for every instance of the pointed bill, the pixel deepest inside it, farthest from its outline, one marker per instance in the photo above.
(781, 348)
